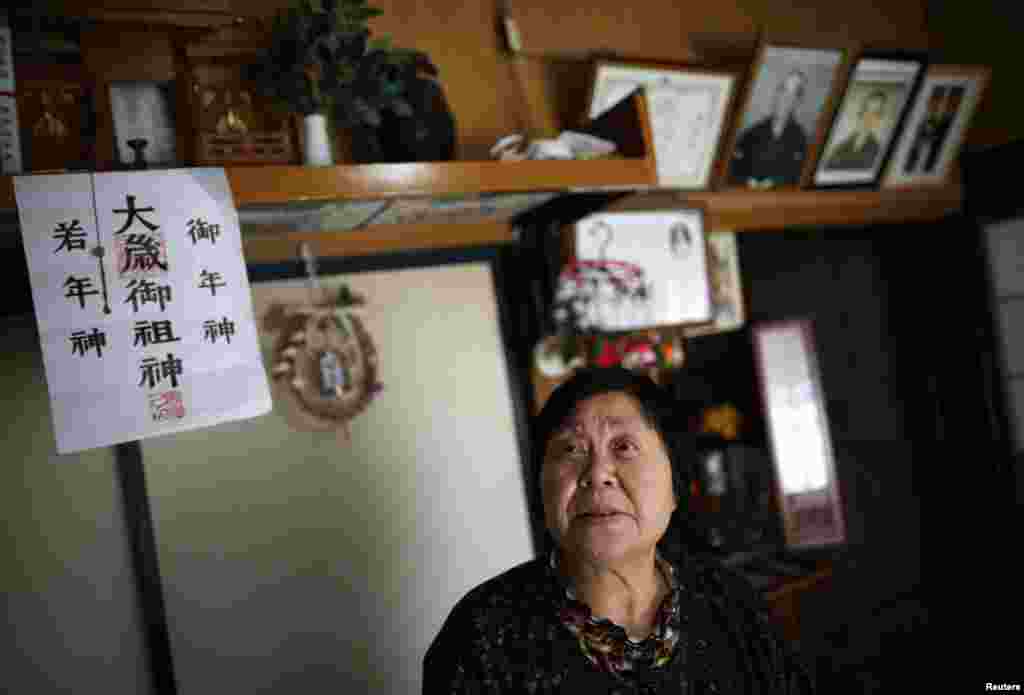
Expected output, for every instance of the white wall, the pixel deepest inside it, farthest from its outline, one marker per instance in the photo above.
(68, 595)
(294, 562)
(1005, 245)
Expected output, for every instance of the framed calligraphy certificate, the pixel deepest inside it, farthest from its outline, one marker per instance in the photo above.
(687, 108)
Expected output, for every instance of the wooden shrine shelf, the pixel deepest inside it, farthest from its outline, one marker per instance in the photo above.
(741, 210)
(291, 184)
(276, 247)
(633, 170)
(737, 210)
(754, 211)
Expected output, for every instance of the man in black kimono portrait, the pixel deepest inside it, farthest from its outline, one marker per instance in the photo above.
(861, 148)
(771, 152)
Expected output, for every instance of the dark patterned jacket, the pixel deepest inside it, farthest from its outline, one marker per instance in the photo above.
(505, 636)
(760, 155)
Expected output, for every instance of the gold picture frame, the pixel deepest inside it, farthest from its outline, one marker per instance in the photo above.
(938, 122)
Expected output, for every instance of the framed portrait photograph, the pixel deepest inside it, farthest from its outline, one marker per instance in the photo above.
(144, 123)
(638, 269)
(928, 146)
(877, 98)
(784, 116)
(687, 109)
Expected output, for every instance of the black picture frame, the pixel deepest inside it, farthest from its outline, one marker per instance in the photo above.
(857, 157)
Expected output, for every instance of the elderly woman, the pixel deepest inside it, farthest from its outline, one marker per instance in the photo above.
(611, 606)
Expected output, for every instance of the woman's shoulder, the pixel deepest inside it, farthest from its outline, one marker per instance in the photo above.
(506, 609)
(517, 588)
(732, 620)
(705, 577)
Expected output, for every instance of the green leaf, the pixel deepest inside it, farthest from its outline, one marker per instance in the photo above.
(398, 56)
(381, 43)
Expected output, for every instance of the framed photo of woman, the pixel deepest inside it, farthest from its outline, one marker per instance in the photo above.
(877, 98)
(687, 108)
(785, 115)
(928, 146)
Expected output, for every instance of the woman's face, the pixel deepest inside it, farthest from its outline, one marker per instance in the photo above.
(607, 481)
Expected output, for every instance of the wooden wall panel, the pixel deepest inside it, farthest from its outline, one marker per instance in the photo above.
(674, 31)
(460, 36)
(462, 39)
(651, 30)
(985, 33)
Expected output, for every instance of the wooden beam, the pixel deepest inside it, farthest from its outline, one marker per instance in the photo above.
(276, 246)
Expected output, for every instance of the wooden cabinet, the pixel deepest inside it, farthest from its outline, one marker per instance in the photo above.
(784, 599)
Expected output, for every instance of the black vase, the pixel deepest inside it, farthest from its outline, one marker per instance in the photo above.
(428, 135)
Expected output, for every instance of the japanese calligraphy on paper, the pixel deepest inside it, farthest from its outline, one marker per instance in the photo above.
(143, 303)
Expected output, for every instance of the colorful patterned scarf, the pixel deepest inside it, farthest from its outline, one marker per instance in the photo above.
(607, 645)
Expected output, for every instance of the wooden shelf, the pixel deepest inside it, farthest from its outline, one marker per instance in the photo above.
(737, 210)
(632, 168)
(278, 247)
(290, 184)
(741, 210)
(284, 185)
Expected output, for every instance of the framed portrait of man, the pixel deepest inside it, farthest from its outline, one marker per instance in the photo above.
(785, 114)
(877, 98)
(936, 126)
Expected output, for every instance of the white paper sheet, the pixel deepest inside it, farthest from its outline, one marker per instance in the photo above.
(669, 247)
(158, 335)
(682, 121)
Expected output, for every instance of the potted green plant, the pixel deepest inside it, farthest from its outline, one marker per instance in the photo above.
(322, 64)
